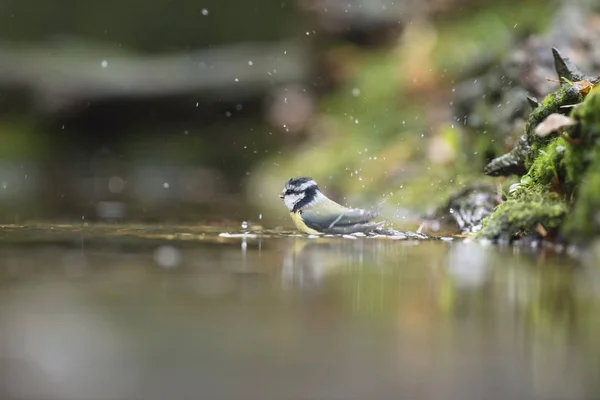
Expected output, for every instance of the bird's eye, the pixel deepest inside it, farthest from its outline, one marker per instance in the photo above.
(288, 192)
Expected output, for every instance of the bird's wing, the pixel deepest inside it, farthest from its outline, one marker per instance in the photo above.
(331, 217)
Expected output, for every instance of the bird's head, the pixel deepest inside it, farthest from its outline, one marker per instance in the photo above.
(299, 192)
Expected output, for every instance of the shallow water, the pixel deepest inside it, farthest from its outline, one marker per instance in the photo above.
(138, 312)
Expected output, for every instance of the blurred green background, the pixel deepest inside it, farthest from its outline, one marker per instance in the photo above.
(199, 111)
(192, 115)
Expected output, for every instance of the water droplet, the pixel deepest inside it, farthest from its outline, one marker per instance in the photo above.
(356, 92)
(116, 184)
(104, 64)
(250, 63)
(204, 12)
(167, 256)
(166, 185)
(244, 224)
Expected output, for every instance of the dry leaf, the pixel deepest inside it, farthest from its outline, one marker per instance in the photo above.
(552, 123)
(584, 87)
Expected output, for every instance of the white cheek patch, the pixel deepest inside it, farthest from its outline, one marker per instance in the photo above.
(292, 199)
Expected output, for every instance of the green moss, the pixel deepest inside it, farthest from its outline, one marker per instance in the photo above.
(573, 164)
(521, 157)
(534, 200)
(562, 187)
(545, 166)
(584, 171)
(555, 158)
(584, 221)
(588, 113)
(517, 217)
(556, 162)
(567, 94)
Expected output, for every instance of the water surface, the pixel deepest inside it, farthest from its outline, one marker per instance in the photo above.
(138, 312)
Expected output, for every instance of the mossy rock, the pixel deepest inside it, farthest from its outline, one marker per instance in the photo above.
(515, 218)
(560, 193)
(584, 221)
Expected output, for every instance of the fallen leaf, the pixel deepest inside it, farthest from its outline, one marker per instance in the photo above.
(584, 86)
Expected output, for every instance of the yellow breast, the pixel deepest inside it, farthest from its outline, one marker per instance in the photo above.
(297, 218)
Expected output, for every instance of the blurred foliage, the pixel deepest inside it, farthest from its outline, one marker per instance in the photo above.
(156, 26)
(21, 140)
(385, 134)
(486, 33)
(388, 131)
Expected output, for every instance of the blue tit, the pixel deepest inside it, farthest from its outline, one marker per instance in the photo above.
(315, 214)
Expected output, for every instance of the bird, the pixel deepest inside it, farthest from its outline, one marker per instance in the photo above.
(316, 214)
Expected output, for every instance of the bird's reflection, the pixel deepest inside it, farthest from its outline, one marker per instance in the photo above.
(469, 264)
(307, 263)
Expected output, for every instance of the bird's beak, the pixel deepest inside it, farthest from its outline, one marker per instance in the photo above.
(281, 195)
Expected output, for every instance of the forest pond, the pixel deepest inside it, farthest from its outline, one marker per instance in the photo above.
(140, 312)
